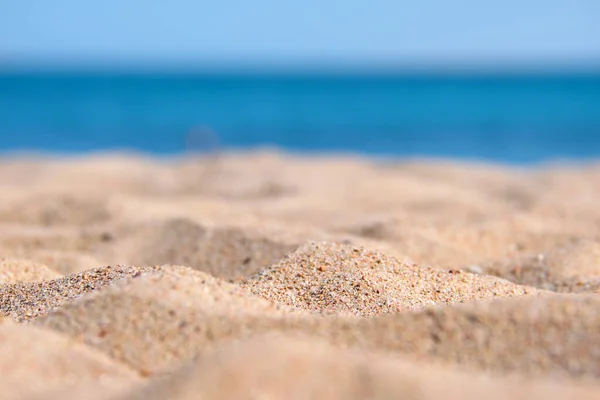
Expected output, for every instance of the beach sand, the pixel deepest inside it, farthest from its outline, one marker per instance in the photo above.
(269, 275)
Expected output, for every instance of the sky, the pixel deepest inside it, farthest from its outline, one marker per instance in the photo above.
(307, 32)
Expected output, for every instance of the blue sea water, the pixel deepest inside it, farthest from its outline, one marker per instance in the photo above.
(510, 118)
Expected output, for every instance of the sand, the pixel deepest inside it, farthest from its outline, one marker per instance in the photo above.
(17, 270)
(228, 253)
(268, 275)
(282, 367)
(333, 278)
(26, 300)
(164, 317)
(34, 362)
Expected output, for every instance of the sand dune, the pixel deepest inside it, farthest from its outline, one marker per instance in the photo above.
(256, 274)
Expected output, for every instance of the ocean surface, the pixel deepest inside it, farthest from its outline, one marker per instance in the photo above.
(510, 118)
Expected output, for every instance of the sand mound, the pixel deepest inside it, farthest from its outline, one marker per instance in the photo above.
(26, 300)
(161, 318)
(553, 334)
(335, 278)
(14, 270)
(279, 367)
(227, 253)
(35, 361)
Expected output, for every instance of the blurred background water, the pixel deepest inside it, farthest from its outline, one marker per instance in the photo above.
(512, 86)
(513, 118)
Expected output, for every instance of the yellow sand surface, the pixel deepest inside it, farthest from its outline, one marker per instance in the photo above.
(268, 275)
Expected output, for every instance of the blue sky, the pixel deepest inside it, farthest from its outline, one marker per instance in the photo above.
(362, 32)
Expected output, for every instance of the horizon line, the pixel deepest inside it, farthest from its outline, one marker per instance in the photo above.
(237, 67)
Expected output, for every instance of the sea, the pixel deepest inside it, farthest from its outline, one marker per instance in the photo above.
(510, 117)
